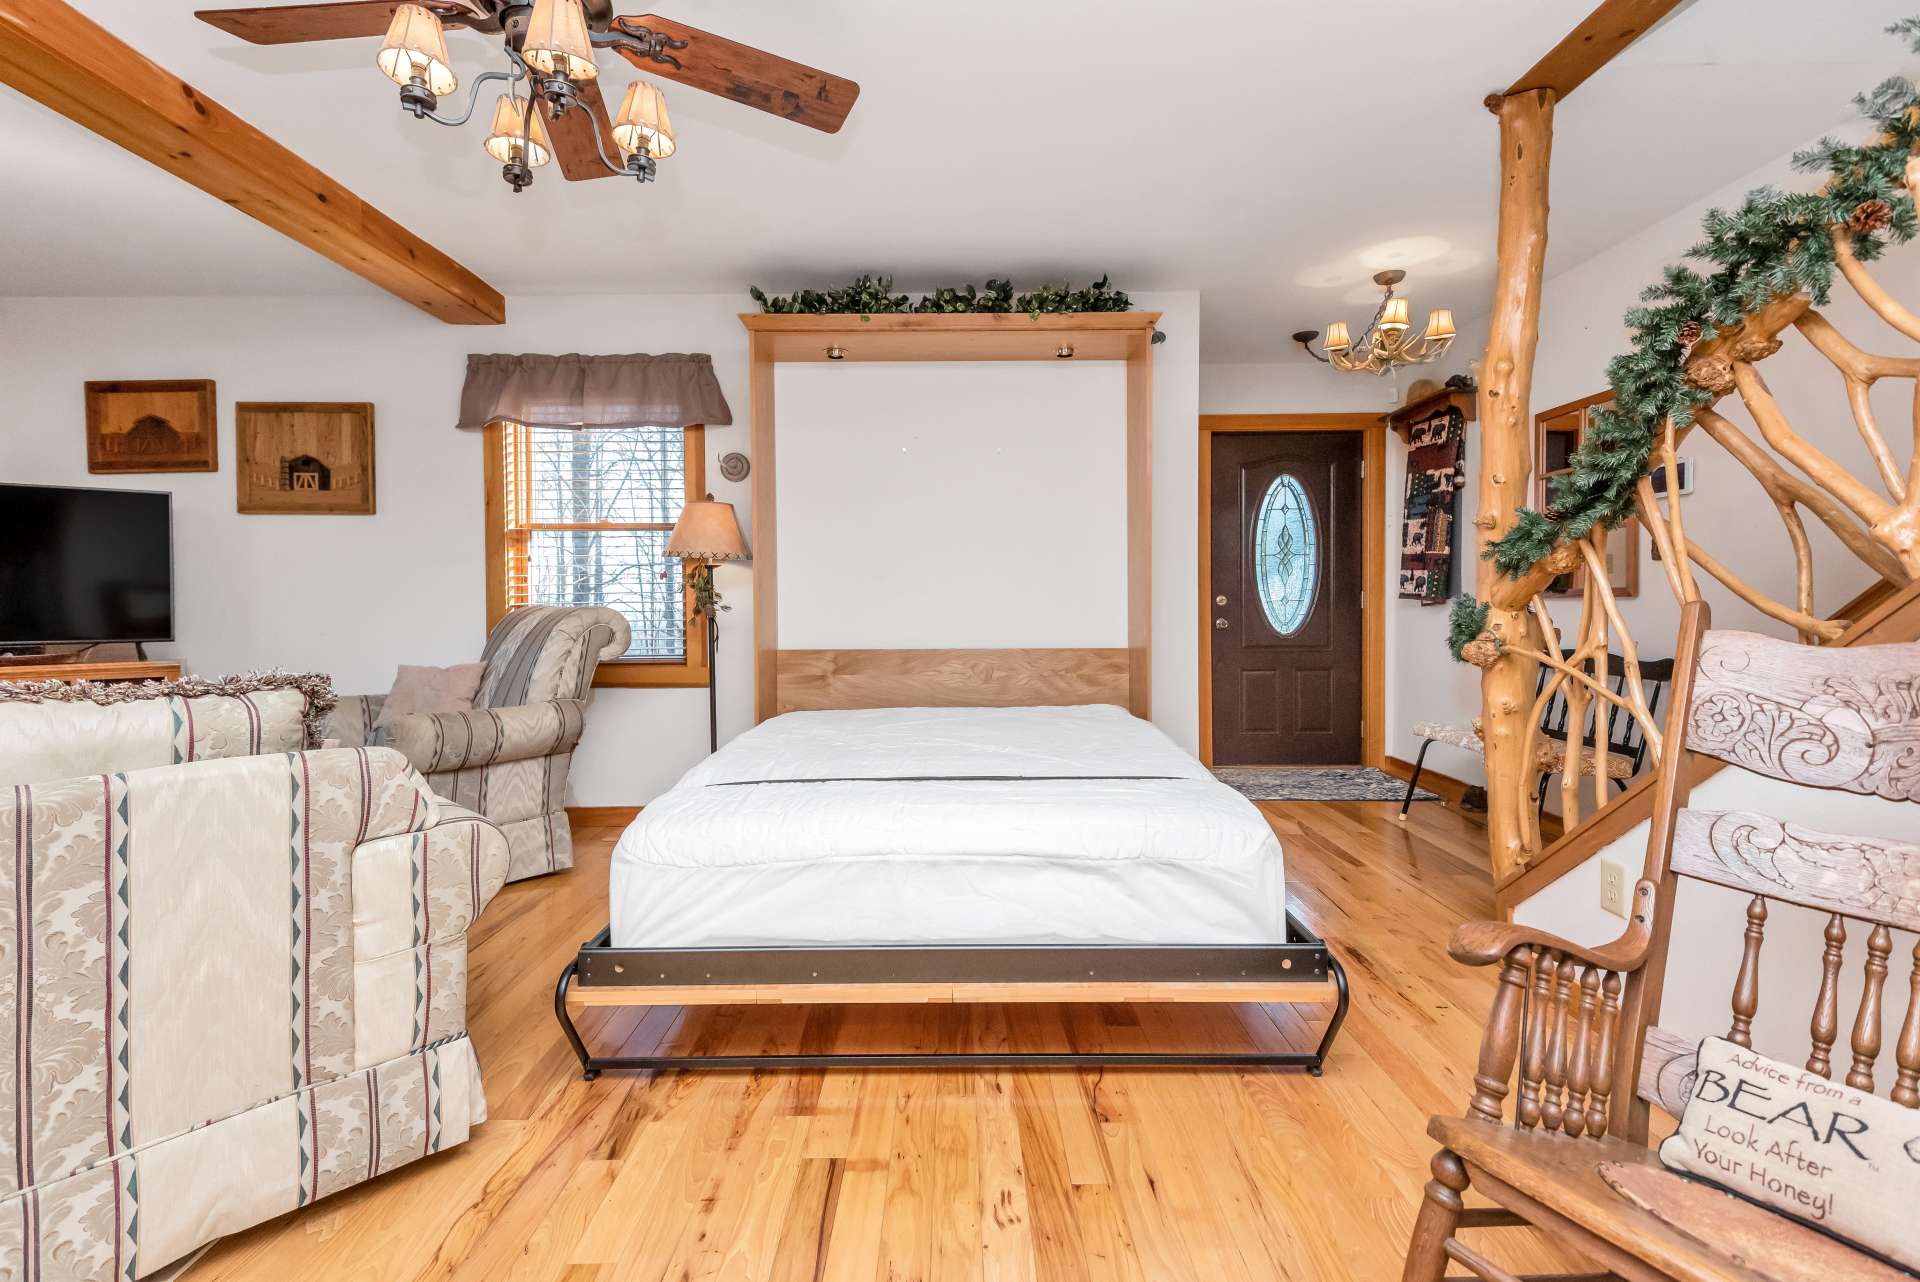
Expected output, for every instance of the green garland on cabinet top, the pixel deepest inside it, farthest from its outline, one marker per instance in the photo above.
(874, 296)
(1775, 244)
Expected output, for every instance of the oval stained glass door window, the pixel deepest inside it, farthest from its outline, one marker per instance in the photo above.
(1286, 555)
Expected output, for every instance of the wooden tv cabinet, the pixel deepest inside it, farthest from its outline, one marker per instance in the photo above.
(112, 670)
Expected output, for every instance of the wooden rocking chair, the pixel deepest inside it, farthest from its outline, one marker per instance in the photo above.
(1572, 1162)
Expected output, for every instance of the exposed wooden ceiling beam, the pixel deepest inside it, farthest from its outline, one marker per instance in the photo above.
(1593, 44)
(58, 57)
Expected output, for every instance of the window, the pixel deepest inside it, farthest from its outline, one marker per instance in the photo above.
(1286, 551)
(581, 518)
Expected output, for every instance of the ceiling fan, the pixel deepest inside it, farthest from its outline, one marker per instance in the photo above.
(549, 45)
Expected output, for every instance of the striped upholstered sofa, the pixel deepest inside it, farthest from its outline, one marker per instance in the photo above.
(232, 970)
(508, 758)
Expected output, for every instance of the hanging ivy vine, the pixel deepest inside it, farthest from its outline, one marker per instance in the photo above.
(1776, 243)
(874, 296)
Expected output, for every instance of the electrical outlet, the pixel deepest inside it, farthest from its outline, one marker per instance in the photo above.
(1613, 888)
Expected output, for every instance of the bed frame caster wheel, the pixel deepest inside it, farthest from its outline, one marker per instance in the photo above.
(589, 1074)
(1315, 1070)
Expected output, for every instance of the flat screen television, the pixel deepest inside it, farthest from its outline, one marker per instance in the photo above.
(81, 565)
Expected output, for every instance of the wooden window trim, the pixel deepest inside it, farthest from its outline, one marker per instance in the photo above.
(688, 673)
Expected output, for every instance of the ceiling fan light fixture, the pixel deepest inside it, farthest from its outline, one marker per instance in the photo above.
(642, 124)
(508, 141)
(416, 47)
(557, 41)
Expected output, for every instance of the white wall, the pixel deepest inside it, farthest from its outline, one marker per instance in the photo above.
(355, 596)
(952, 505)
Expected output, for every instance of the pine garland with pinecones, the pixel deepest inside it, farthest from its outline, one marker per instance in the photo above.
(1775, 244)
(874, 296)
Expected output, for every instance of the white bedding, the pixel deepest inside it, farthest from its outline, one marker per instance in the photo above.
(819, 828)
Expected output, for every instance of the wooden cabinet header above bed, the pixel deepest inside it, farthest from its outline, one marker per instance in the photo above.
(952, 336)
(822, 675)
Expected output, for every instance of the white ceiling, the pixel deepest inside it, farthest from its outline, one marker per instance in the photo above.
(1270, 155)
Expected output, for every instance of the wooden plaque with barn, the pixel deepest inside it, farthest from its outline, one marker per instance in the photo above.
(304, 457)
(165, 425)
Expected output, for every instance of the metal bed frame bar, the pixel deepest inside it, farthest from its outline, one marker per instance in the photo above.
(1303, 958)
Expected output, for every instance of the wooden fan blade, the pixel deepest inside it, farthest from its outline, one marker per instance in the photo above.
(802, 94)
(572, 135)
(298, 23)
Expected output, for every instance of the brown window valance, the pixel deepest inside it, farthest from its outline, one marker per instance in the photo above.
(674, 390)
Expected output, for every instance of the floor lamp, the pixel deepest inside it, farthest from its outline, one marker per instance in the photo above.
(706, 533)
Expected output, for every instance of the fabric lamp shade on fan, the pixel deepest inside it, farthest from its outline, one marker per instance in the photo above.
(642, 124)
(557, 42)
(509, 133)
(416, 45)
(707, 531)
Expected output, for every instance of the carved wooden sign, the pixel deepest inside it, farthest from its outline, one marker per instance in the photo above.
(1828, 718)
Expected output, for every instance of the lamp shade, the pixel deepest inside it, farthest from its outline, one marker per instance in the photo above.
(1440, 323)
(642, 124)
(1394, 315)
(707, 531)
(508, 133)
(557, 41)
(416, 45)
(1337, 340)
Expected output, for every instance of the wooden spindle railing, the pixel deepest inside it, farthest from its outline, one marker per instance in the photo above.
(1866, 1025)
(1553, 1104)
(1499, 1046)
(1906, 1052)
(1580, 1066)
(1826, 1006)
(1746, 984)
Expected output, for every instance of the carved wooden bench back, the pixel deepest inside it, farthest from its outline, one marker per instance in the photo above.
(1586, 1050)
(1825, 718)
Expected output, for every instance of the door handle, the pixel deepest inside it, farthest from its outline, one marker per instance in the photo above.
(1221, 624)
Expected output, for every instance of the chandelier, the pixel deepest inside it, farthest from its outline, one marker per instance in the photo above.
(549, 52)
(1387, 343)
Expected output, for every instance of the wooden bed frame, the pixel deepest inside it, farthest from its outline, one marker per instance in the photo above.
(1302, 970)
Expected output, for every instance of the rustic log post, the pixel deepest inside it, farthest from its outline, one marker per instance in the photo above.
(1506, 458)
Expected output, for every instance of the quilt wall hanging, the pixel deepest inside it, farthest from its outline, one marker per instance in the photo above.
(1435, 470)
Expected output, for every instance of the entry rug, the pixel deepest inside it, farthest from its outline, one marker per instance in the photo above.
(1316, 783)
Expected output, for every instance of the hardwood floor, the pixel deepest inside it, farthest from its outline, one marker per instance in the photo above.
(971, 1175)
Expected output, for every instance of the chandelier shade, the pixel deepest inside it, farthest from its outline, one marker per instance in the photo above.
(642, 124)
(1387, 343)
(508, 140)
(557, 42)
(416, 46)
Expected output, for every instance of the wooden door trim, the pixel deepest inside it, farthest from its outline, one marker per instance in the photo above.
(1373, 555)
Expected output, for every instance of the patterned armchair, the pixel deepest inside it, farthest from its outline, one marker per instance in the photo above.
(232, 971)
(507, 759)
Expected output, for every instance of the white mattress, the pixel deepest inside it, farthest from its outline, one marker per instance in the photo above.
(948, 826)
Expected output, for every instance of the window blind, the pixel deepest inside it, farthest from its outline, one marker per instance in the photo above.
(587, 516)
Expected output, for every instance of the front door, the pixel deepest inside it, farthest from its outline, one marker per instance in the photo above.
(1286, 596)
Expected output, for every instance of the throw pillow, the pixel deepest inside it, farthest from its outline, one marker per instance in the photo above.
(1841, 1160)
(427, 689)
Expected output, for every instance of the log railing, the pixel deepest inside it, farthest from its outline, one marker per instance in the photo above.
(1876, 518)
